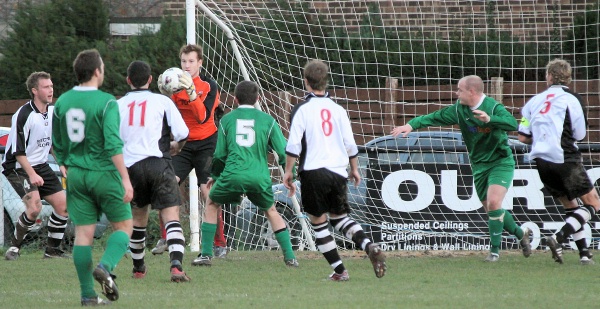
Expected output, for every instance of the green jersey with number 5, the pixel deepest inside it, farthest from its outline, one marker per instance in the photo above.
(244, 139)
(85, 129)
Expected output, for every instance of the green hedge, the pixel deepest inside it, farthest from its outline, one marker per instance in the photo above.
(279, 49)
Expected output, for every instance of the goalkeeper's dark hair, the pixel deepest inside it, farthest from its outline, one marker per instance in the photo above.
(33, 80)
(86, 63)
(316, 73)
(186, 49)
(246, 92)
(560, 70)
(138, 73)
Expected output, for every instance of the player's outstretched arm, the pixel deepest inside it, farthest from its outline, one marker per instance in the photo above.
(404, 130)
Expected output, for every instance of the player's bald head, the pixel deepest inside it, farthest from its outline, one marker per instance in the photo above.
(473, 82)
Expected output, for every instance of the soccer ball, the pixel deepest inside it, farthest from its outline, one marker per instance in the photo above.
(170, 80)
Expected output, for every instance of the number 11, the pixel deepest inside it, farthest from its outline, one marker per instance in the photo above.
(131, 112)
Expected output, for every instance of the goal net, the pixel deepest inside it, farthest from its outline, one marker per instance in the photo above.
(391, 61)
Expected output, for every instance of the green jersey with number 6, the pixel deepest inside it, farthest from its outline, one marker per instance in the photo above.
(85, 129)
(244, 138)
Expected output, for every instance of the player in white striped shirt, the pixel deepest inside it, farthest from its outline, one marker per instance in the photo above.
(553, 122)
(26, 167)
(321, 137)
(147, 122)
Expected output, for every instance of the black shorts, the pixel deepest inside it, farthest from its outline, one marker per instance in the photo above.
(20, 181)
(324, 191)
(568, 179)
(196, 155)
(153, 181)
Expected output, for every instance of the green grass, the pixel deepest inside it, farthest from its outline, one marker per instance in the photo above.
(260, 280)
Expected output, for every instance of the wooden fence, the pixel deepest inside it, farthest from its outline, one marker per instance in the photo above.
(374, 112)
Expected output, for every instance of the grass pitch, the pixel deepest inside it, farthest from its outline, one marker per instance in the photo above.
(261, 280)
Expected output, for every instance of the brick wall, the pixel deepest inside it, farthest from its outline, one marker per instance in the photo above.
(527, 19)
(368, 108)
(174, 7)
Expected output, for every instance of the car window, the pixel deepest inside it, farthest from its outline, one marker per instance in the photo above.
(394, 142)
(438, 156)
(391, 143)
(437, 141)
(363, 160)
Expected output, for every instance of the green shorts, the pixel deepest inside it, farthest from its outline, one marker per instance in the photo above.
(485, 175)
(226, 191)
(91, 193)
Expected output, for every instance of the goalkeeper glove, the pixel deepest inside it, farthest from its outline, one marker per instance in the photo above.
(186, 82)
(161, 86)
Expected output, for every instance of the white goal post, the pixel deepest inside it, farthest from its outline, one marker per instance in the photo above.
(391, 61)
(194, 205)
(1, 219)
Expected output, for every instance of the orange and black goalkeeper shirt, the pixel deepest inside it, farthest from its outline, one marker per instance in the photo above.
(199, 114)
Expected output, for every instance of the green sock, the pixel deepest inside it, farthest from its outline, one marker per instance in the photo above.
(510, 225)
(495, 227)
(283, 238)
(208, 238)
(116, 247)
(82, 258)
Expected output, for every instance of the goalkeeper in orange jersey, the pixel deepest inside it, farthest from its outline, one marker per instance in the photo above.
(198, 102)
(240, 167)
(483, 123)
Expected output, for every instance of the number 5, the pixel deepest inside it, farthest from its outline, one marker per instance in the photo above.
(244, 132)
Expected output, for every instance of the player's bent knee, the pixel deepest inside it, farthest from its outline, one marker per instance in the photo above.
(591, 198)
(125, 226)
(272, 211)
(34, 208)
(59, 202)
(33, 213)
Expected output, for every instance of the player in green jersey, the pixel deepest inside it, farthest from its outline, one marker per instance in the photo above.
(483, 123)
(240, 166)
(88, 149)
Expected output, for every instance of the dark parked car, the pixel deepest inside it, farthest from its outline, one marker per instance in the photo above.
(417, 194)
